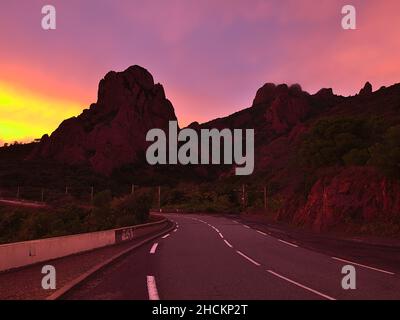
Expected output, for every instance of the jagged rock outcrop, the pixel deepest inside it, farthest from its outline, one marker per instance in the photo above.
(367, 90)
(265, 94)
(112, 131)
(289, 107)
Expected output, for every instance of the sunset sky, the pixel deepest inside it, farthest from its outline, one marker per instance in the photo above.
(210, 55)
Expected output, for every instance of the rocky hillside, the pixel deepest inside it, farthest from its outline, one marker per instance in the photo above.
(329, 160)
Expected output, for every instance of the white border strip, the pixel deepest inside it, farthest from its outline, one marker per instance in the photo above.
(364, 266)
(300, 285)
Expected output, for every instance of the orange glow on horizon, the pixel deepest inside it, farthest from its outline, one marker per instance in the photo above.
(26, 115)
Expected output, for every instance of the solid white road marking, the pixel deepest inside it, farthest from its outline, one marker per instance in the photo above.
(362, 265)
(246, 226)
(300, 285)
(228, 244)
(263, 233)
(154, 248)
(220, 234)
(166, 236)
(176, 230)
(288, 243)
(248, 258)
(152, 288)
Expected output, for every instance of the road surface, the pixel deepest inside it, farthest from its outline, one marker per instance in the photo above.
(218, 258)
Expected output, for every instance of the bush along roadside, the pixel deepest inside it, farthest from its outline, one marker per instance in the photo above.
(23, 224)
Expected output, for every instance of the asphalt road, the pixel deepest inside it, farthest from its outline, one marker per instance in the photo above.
(217, 258)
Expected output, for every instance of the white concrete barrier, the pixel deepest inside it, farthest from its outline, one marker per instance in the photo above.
(15, 255)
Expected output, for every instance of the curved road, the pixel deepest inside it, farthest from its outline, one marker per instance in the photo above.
(216, 258)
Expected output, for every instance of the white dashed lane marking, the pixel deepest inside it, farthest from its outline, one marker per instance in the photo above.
(248, 258)
(288, 243)
(153, 248)
(228, 244)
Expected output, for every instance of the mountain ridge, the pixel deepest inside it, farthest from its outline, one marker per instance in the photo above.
(328, 157)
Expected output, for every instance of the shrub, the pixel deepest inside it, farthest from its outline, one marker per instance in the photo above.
(102, 199)
(137, 207)
(346, 141)
(386, 154)
(356, 157)
(126, 221)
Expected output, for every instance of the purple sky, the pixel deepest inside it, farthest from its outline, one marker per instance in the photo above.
(211, 55)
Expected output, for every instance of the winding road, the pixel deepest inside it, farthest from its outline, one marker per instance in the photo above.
(218, 258)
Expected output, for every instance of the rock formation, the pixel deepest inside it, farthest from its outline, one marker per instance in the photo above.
(112, 131)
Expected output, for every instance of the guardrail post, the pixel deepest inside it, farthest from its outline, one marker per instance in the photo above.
(243, 197)
(159, 198)
(265, 198)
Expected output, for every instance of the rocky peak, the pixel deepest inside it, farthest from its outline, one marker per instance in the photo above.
(112, 131)
(194, 125)
(268, 92)
(284, 106)
(367, 90)
(325, 93)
